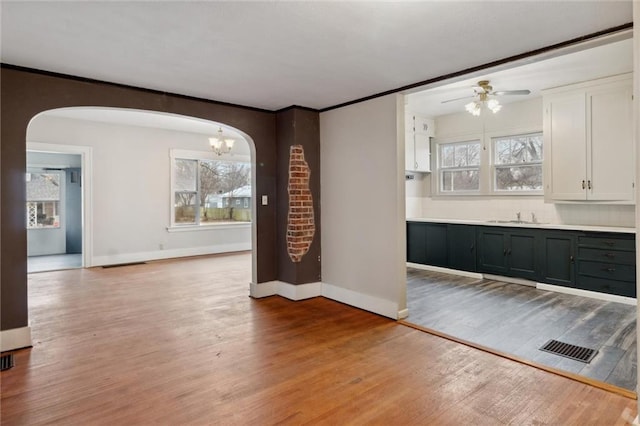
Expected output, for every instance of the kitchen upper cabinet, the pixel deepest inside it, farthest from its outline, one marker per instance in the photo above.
(509, 252)
(418, 131)
(588, 143)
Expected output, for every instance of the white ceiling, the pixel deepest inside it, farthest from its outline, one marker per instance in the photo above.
(601, 61)
(275, 54)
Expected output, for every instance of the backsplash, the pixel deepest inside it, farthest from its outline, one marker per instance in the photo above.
(506, 207)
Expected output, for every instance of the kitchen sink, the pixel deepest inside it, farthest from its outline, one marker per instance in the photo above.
(523, 222)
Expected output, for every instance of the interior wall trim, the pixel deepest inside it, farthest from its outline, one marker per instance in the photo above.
(445, 270)
(116, 259)
(586, 293)
(363, 301)
(492, 64)
(15, 338)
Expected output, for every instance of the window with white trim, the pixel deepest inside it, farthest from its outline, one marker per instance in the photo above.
(517, 163)
(459, 167)
(207, 191)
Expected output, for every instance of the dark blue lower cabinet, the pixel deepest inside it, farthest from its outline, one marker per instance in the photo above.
(594, 261)
(508, 251)
(462, 247)
(557, 253)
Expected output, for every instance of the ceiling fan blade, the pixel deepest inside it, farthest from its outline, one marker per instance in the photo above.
(511, 92)
(458, 99)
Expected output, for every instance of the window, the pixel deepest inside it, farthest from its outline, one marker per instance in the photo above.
(459, 166)
(517, 163)
(207, 191)
(43, 200)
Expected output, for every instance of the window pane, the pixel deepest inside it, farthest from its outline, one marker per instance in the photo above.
(460, 155)
(185, 207)
(519, 178)
(185, 173)
(446, 155)
(460, 180)
(518, 149)
(43, 214)
(474, 154)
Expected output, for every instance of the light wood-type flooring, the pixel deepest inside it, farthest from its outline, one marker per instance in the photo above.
(518, 320)
(182, 343)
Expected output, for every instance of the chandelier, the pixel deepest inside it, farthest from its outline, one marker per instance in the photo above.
(219, 144)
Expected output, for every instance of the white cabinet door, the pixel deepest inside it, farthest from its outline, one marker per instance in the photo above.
(610, 161)
(564, 146)
(417, 143)
(409, 151)
(422, 150)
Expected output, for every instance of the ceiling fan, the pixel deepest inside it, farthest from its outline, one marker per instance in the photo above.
(483, 90)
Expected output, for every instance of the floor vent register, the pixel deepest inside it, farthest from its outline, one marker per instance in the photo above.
(6, 361)
(577, 353)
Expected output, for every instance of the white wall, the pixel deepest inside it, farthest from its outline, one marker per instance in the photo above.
(131, 190)
(516, 117)
(362, 193)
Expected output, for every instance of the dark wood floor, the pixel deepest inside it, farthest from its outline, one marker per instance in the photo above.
(519, 320)
(182, 343)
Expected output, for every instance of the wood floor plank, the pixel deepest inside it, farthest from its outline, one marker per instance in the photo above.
(180, 342)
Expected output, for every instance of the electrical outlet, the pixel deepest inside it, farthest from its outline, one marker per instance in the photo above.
(161, 246)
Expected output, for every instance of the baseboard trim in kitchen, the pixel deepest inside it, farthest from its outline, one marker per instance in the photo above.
(444, 270)
(586, 293)
(586, 380)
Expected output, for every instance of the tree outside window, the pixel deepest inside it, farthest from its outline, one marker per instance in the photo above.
(518, 163)
(208, 191)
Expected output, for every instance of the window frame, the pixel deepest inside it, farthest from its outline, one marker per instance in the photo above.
(487, 171)
(494, 166)
(439, 169)
(181, 154)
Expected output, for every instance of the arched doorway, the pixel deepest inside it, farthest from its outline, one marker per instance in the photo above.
(132, 185)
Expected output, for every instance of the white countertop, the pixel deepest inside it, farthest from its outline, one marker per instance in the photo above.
(590, 228)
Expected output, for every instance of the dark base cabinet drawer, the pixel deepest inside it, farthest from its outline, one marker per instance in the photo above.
(607, 271)
(613, 256)
(601, 285)
(608, 243)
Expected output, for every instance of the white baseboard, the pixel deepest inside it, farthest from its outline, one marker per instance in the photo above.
(369, 303)
(287, 290)
(266, 289)
(511, 280)
(305, 291)
(586, 293)
(300, 291)
(116, 259)
(15, 338)
(444, 270)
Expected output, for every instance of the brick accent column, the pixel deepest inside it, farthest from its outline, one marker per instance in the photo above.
(300, 220)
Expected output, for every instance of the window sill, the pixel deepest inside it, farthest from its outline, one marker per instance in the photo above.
(208, 227)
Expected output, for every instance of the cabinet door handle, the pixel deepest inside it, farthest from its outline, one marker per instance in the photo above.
(583, 184)
(609, 269)
(472, 247)
(610, 243)
(610, 255)
(504, 252)
(571, 258)
(509, 252)
(589, 184)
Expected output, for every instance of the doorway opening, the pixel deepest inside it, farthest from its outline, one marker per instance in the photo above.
(55, 204)
(152, 186)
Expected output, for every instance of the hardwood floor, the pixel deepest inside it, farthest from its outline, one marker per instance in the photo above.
(518, 320)
(180, 342)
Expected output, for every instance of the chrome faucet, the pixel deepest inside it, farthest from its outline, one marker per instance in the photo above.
(518, 216)
(533, 218)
